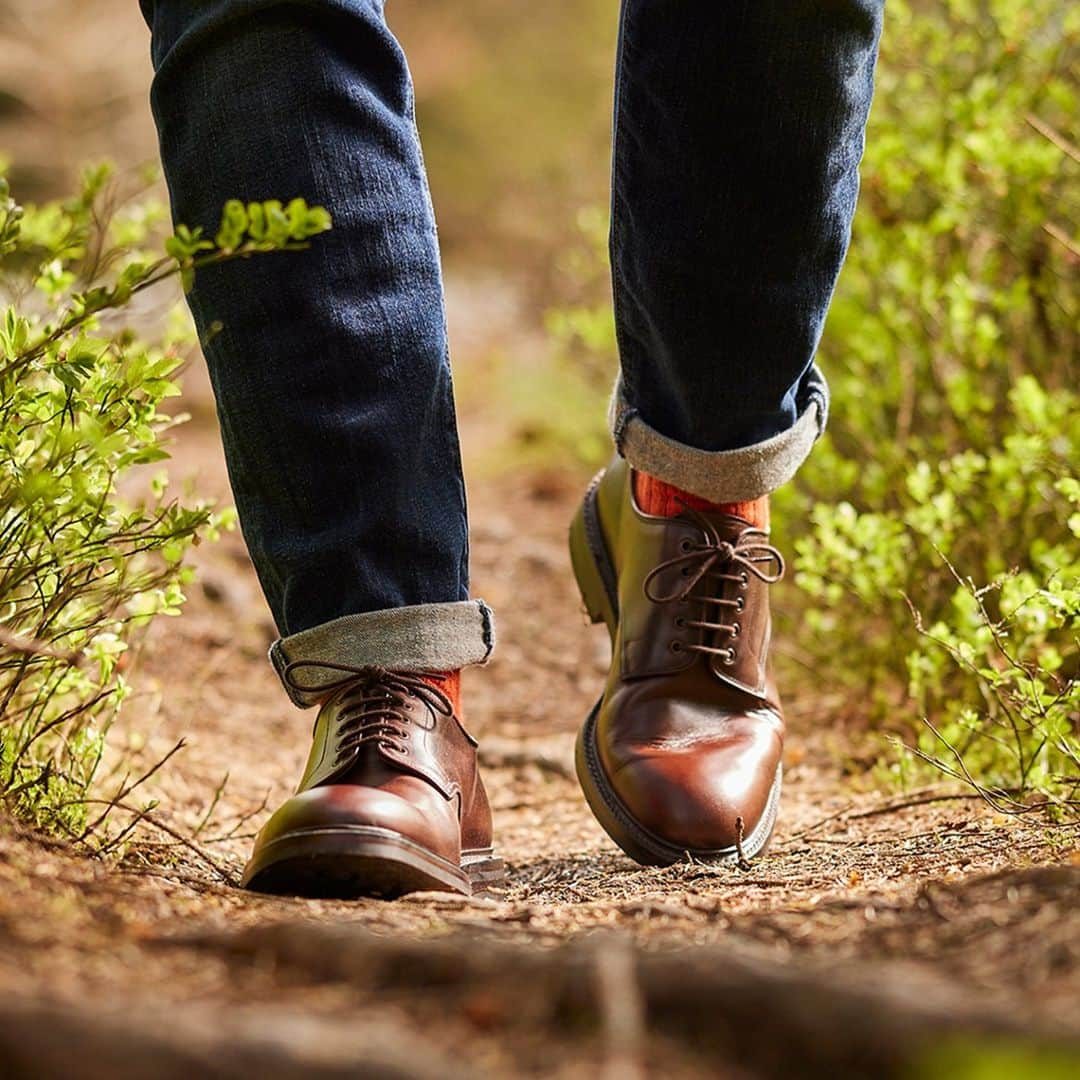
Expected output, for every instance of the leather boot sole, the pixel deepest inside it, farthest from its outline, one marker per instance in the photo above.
(598, 583)
(349, 862)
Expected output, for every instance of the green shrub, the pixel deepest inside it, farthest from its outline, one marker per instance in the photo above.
(948, 479)
(82, 567)
(990, 660)
(947, 482)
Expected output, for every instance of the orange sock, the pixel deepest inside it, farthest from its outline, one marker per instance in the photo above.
(449, 682)
(665, 500)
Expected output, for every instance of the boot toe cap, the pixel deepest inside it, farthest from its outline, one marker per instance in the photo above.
(695, 798)
(348, 806)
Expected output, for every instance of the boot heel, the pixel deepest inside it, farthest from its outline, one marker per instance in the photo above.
(583, 556)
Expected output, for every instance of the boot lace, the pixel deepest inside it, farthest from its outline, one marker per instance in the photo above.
(372, 703)
(705, 562)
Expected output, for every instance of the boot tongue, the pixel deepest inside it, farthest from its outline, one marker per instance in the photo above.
(728, 526)
(382, 726)
(743, 663)
(701, 567)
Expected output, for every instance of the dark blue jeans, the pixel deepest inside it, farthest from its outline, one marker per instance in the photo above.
(739, 128)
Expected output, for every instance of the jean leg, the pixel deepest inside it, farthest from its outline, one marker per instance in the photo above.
(329, 366)
(738, 134)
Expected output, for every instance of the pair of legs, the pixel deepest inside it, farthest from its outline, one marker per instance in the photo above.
(738, 132)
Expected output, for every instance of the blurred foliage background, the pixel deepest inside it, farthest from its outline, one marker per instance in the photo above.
(936, 592)
(513, 102)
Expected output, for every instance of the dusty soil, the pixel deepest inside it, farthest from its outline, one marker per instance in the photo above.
(867, 934)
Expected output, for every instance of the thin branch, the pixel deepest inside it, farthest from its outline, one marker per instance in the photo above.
(127, 789)
(1062, 237)
(926, 800)
(1054, 136)
(219, 791)
(21, 643)
(146, 816)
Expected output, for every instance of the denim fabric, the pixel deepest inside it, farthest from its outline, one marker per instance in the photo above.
(737, 139)
(330, 366)
(738, 133)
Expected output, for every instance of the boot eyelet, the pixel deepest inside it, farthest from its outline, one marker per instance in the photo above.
(740, 604)
(680, 622)
(744, 580)
(736, 629)
(729, 658)
(676, 646)
(685, 545)
(686, 571)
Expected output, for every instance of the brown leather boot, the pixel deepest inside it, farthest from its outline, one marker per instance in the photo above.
(682, 754)
(391, 801)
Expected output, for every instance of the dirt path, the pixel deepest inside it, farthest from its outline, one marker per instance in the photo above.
(859, 939)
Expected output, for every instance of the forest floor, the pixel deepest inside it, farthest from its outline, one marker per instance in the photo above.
(874, 938)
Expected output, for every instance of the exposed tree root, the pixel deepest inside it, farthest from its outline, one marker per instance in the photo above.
(729, 1006)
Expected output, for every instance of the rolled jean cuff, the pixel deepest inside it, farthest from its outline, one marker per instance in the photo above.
(423, 637)
(722, 476)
